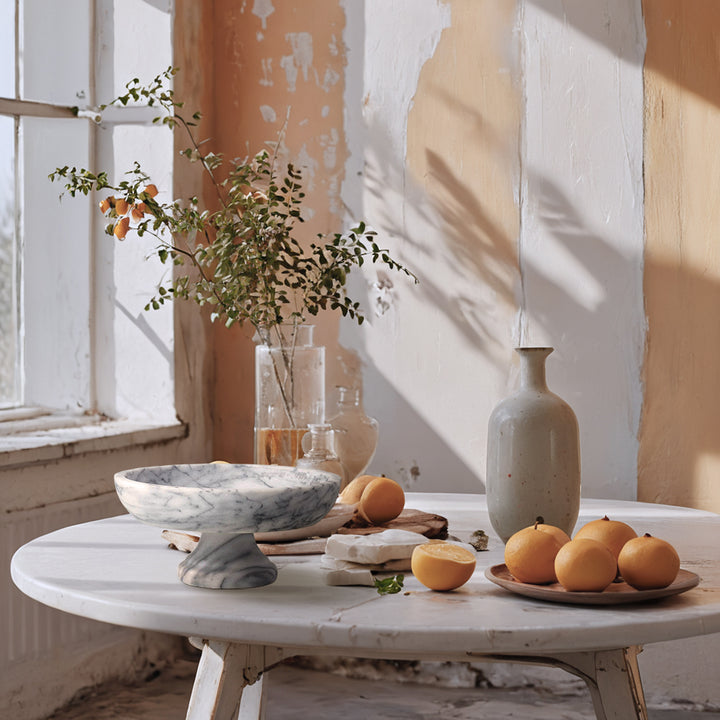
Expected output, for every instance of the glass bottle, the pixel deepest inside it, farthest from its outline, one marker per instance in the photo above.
(289, 391)
(356, 434)
(319, 453)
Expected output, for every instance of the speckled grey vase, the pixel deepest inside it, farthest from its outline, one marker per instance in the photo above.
(533, 454)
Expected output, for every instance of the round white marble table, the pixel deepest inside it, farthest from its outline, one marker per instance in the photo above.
(120, 571)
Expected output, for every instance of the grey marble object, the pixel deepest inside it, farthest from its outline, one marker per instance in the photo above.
(226, 504)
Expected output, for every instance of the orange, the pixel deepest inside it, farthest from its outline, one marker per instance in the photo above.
(354, 489)
(442, 565)
(611, 533)
(585, 564)
(138, 211)
(121, 228)
(556, 532)
(382, 500)
(530, 555)
(648, 562)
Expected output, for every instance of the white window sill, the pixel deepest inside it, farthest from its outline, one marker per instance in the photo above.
(37, 437)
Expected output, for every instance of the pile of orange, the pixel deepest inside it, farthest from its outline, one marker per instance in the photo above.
(601, 551)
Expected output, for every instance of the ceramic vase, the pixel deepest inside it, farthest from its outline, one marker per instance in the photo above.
(356, 434)
(533, 454)
(289, 391)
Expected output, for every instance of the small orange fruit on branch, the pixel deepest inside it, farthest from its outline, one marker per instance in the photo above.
(137, 212)
(121, 228)
(106, 204)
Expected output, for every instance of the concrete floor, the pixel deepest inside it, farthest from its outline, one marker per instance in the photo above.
(298, 692)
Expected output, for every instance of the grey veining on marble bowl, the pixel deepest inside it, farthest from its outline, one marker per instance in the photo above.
(225, 504)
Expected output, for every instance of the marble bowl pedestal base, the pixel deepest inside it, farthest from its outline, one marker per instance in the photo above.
(227, 560)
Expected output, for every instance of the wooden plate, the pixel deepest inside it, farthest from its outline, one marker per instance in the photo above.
(616, 594)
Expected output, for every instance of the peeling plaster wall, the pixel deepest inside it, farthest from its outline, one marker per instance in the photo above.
(501, 158)
(497, 146)
(581, 245)
(275, 65)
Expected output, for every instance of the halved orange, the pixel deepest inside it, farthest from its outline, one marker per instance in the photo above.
(442, 565)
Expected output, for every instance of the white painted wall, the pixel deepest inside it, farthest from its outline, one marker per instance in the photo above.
(410, 352)
(582, 221)
(441, 357)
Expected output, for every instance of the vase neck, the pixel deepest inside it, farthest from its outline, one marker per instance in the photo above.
(532, 367)
(285, 336)
(321, 440)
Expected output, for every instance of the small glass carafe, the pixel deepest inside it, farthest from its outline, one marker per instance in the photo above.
(319, 453)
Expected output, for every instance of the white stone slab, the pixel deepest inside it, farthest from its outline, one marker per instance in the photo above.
(349, 577)
(375, 548)
(330, 563)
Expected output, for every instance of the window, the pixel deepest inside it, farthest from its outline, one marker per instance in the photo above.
(75, 338)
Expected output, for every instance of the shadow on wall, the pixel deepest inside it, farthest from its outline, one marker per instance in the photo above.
(700, 20)
(449, 227)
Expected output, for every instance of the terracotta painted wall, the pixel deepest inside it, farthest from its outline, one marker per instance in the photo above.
(679, 457)
(273, 65)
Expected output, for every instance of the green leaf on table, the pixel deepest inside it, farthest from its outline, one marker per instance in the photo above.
(389, 586)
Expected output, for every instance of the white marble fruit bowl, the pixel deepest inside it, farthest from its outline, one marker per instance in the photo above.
(226, 504)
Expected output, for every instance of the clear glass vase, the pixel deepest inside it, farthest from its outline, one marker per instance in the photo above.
(319, 452)
(356, 434)
(289, 391)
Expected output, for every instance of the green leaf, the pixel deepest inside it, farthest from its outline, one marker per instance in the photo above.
(389, 586)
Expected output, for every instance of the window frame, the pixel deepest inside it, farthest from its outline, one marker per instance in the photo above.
(106, 408)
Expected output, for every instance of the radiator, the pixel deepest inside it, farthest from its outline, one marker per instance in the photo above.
(29, 629)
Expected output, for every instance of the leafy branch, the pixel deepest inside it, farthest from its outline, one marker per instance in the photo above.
(240, 256)
(243, 259)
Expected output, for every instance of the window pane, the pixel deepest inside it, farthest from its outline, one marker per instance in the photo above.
(56, 242)
(9, 365)
(7, 48)
(56, 51)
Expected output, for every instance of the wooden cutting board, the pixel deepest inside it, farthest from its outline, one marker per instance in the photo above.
(427, 524)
